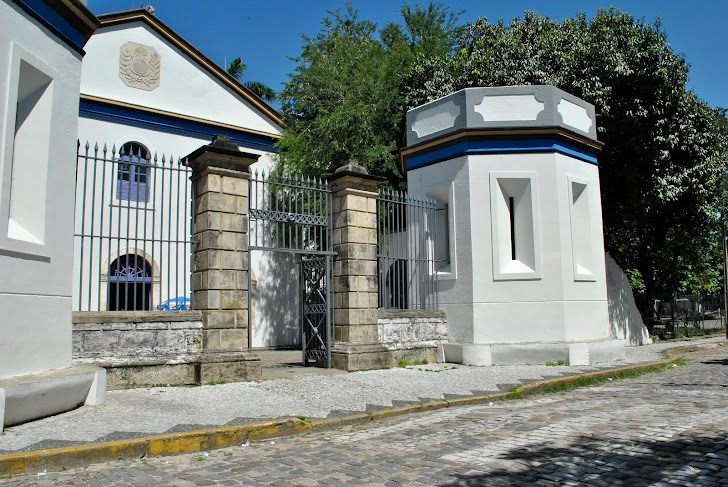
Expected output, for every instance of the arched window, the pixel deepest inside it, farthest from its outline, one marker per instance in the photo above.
(130, 284)
(132, 175)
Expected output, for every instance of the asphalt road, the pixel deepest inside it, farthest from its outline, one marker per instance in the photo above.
(666, 428)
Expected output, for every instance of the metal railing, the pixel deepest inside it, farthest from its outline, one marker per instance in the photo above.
(406, 245)
(289, 213)
(133, 226)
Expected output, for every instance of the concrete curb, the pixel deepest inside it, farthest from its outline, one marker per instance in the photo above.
(58, 459)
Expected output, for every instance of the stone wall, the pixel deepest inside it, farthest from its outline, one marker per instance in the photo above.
(412, 335)
(140, 348)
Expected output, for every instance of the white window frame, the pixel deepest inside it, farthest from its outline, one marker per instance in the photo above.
(523, 188)
(445, 195)
(15, 243)
(582, 229)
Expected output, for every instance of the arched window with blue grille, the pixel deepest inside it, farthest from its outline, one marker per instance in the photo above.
(132, 175)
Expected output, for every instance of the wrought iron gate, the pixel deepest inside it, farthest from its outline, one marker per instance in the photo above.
(316, 319)
(292, 214)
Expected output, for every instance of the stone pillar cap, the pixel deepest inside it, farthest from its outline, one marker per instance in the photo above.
(221, 152)
(353, 175)
(353, 167)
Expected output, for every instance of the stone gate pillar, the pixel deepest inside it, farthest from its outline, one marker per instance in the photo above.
(355, 269)
(220, 272)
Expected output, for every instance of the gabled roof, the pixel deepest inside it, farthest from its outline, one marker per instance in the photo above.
(142, 15)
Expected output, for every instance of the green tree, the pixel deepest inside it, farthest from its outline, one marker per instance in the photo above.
(664, 148)
(346, 98)
(237, 68)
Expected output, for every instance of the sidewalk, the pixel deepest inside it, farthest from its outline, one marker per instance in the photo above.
(138, 413)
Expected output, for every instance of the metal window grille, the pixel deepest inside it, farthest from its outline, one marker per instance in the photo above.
(133, 226)
(406, 262)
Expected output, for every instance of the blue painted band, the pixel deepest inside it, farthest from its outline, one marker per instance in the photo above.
(53, 21)
(171, 125)
(500, 147)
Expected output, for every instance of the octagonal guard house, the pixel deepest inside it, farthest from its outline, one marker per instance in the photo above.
(520, 246)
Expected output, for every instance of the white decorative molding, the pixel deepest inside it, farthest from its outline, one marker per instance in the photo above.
(139, 66)
(504, 108)
(515, 233)
(581, 221)
(574, 115)
(437, 118)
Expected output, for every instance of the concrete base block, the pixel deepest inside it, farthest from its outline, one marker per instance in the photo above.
(97, 394)
(34, 396)
(144, 375)
(355, 356)
(575, 353)
(578, 354)
(606, 350)
(413, 355)
(228, 367)
(2, 410)
(349, 356)
(470, 354)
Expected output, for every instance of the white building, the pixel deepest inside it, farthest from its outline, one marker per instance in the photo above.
(516, 167)
(41, 48)
(146, 90)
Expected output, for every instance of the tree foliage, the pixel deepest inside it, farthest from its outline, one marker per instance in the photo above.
(664, 151)
(237, 68)
(346, 99)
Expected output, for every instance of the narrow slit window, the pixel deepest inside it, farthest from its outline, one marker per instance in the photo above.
(442, 239)
(512, 217)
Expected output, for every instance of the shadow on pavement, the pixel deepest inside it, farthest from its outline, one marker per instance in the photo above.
(597, 461)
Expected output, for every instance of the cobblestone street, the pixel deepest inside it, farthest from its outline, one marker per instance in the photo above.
(666, 428)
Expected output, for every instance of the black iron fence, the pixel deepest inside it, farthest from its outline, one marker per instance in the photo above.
(133, 226)
(289, 213)
(682, 314)
(407, 245)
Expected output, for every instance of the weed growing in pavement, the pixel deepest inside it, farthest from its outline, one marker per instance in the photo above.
(215, 383)
(304, 419)
(584, 381)
(405, 363)
(560, 362)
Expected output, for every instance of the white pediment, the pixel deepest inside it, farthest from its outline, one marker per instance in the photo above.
(184, 86)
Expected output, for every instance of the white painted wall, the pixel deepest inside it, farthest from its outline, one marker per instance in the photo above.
(35, 273)
(184, 87)
(625, 319)
(276, 299)
(275, 303)
(456, 289)
(552, 306)
(187, 89)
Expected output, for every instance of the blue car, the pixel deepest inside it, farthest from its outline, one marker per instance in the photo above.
(180, 303)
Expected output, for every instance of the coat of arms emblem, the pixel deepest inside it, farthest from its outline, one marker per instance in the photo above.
(139, 66)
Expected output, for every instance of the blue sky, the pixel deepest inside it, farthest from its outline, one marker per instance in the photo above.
(266, 33)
